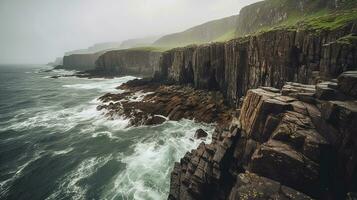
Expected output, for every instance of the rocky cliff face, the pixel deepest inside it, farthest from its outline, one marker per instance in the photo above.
(297, 143)
(128, 62)
(81, 62)
(267, 59)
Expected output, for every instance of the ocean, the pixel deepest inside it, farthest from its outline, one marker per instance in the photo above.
(54, 144)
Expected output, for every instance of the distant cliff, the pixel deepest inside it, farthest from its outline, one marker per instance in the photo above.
(211, 31)
(139, 61)
(138, 42)
(80, 62)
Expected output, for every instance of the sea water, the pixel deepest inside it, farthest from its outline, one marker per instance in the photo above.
(54, 144)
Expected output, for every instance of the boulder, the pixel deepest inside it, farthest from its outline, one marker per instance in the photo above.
(347, 83)
(200, 133)
(278, 161)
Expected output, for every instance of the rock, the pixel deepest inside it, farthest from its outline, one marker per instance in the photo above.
(269, 59)
(128, 62)
(80, 62)
(252, 186)
(347, 83)
(160, 101)
(324, 91)
(278, 161)
(281, 146)
(200, 133)
(155, 120)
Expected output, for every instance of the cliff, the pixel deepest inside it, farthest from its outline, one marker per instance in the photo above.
(95, 48)
(138, 42)
(297, 143)
(304, 55)
(80, 62)
(270, 13)
(136, 61)
(207, 32)
(289, 140)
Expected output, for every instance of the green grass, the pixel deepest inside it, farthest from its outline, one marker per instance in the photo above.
(331, 21)
(318, 21)
(149, 48)
(227, 36)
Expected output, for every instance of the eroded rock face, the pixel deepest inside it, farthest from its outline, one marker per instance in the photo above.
(288, 144)
(252, 186)
(80, 62)
(128, 62)
(267, 59)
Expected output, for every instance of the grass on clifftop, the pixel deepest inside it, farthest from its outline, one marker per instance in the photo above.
(330, 21)
(149, 48)
(318, 21)
(227, 36)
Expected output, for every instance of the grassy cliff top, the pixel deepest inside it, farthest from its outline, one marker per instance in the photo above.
(322, 20)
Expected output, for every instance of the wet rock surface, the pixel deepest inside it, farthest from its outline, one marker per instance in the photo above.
(295, 143)
(200, 133)
(148, 103)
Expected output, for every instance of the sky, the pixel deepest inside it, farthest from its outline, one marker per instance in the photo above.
(38, 31)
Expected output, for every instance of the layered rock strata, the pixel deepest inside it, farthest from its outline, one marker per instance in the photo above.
(296, 143)
(266, 59)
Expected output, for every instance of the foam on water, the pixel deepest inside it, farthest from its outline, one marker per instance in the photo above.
(70, 130)
(65, 151)
(148, 168)
(102, 85)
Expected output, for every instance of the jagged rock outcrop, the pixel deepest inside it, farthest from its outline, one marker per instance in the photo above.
(80, 62)
(297, 143)
(148, 103)
(267, 59)
(142, 62)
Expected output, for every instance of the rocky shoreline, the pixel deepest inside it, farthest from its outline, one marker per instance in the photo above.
(145, 102)
(295, 143)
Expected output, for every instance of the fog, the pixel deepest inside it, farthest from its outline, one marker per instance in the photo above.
(38, 31)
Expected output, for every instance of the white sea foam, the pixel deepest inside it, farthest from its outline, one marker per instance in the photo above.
(104, 133)
(103, 85)
(139, 96)
(65, 119)
(65, 151)
(148, 169)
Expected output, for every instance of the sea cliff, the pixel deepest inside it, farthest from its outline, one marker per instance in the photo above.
(140, 62)
(265, 59)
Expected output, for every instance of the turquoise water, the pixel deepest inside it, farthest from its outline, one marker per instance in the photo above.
(54, 144)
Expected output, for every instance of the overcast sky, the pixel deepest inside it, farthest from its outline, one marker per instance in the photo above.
(37, 31)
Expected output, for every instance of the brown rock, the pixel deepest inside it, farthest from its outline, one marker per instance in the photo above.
(252, 186)
(277, 161)
(200, 133)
